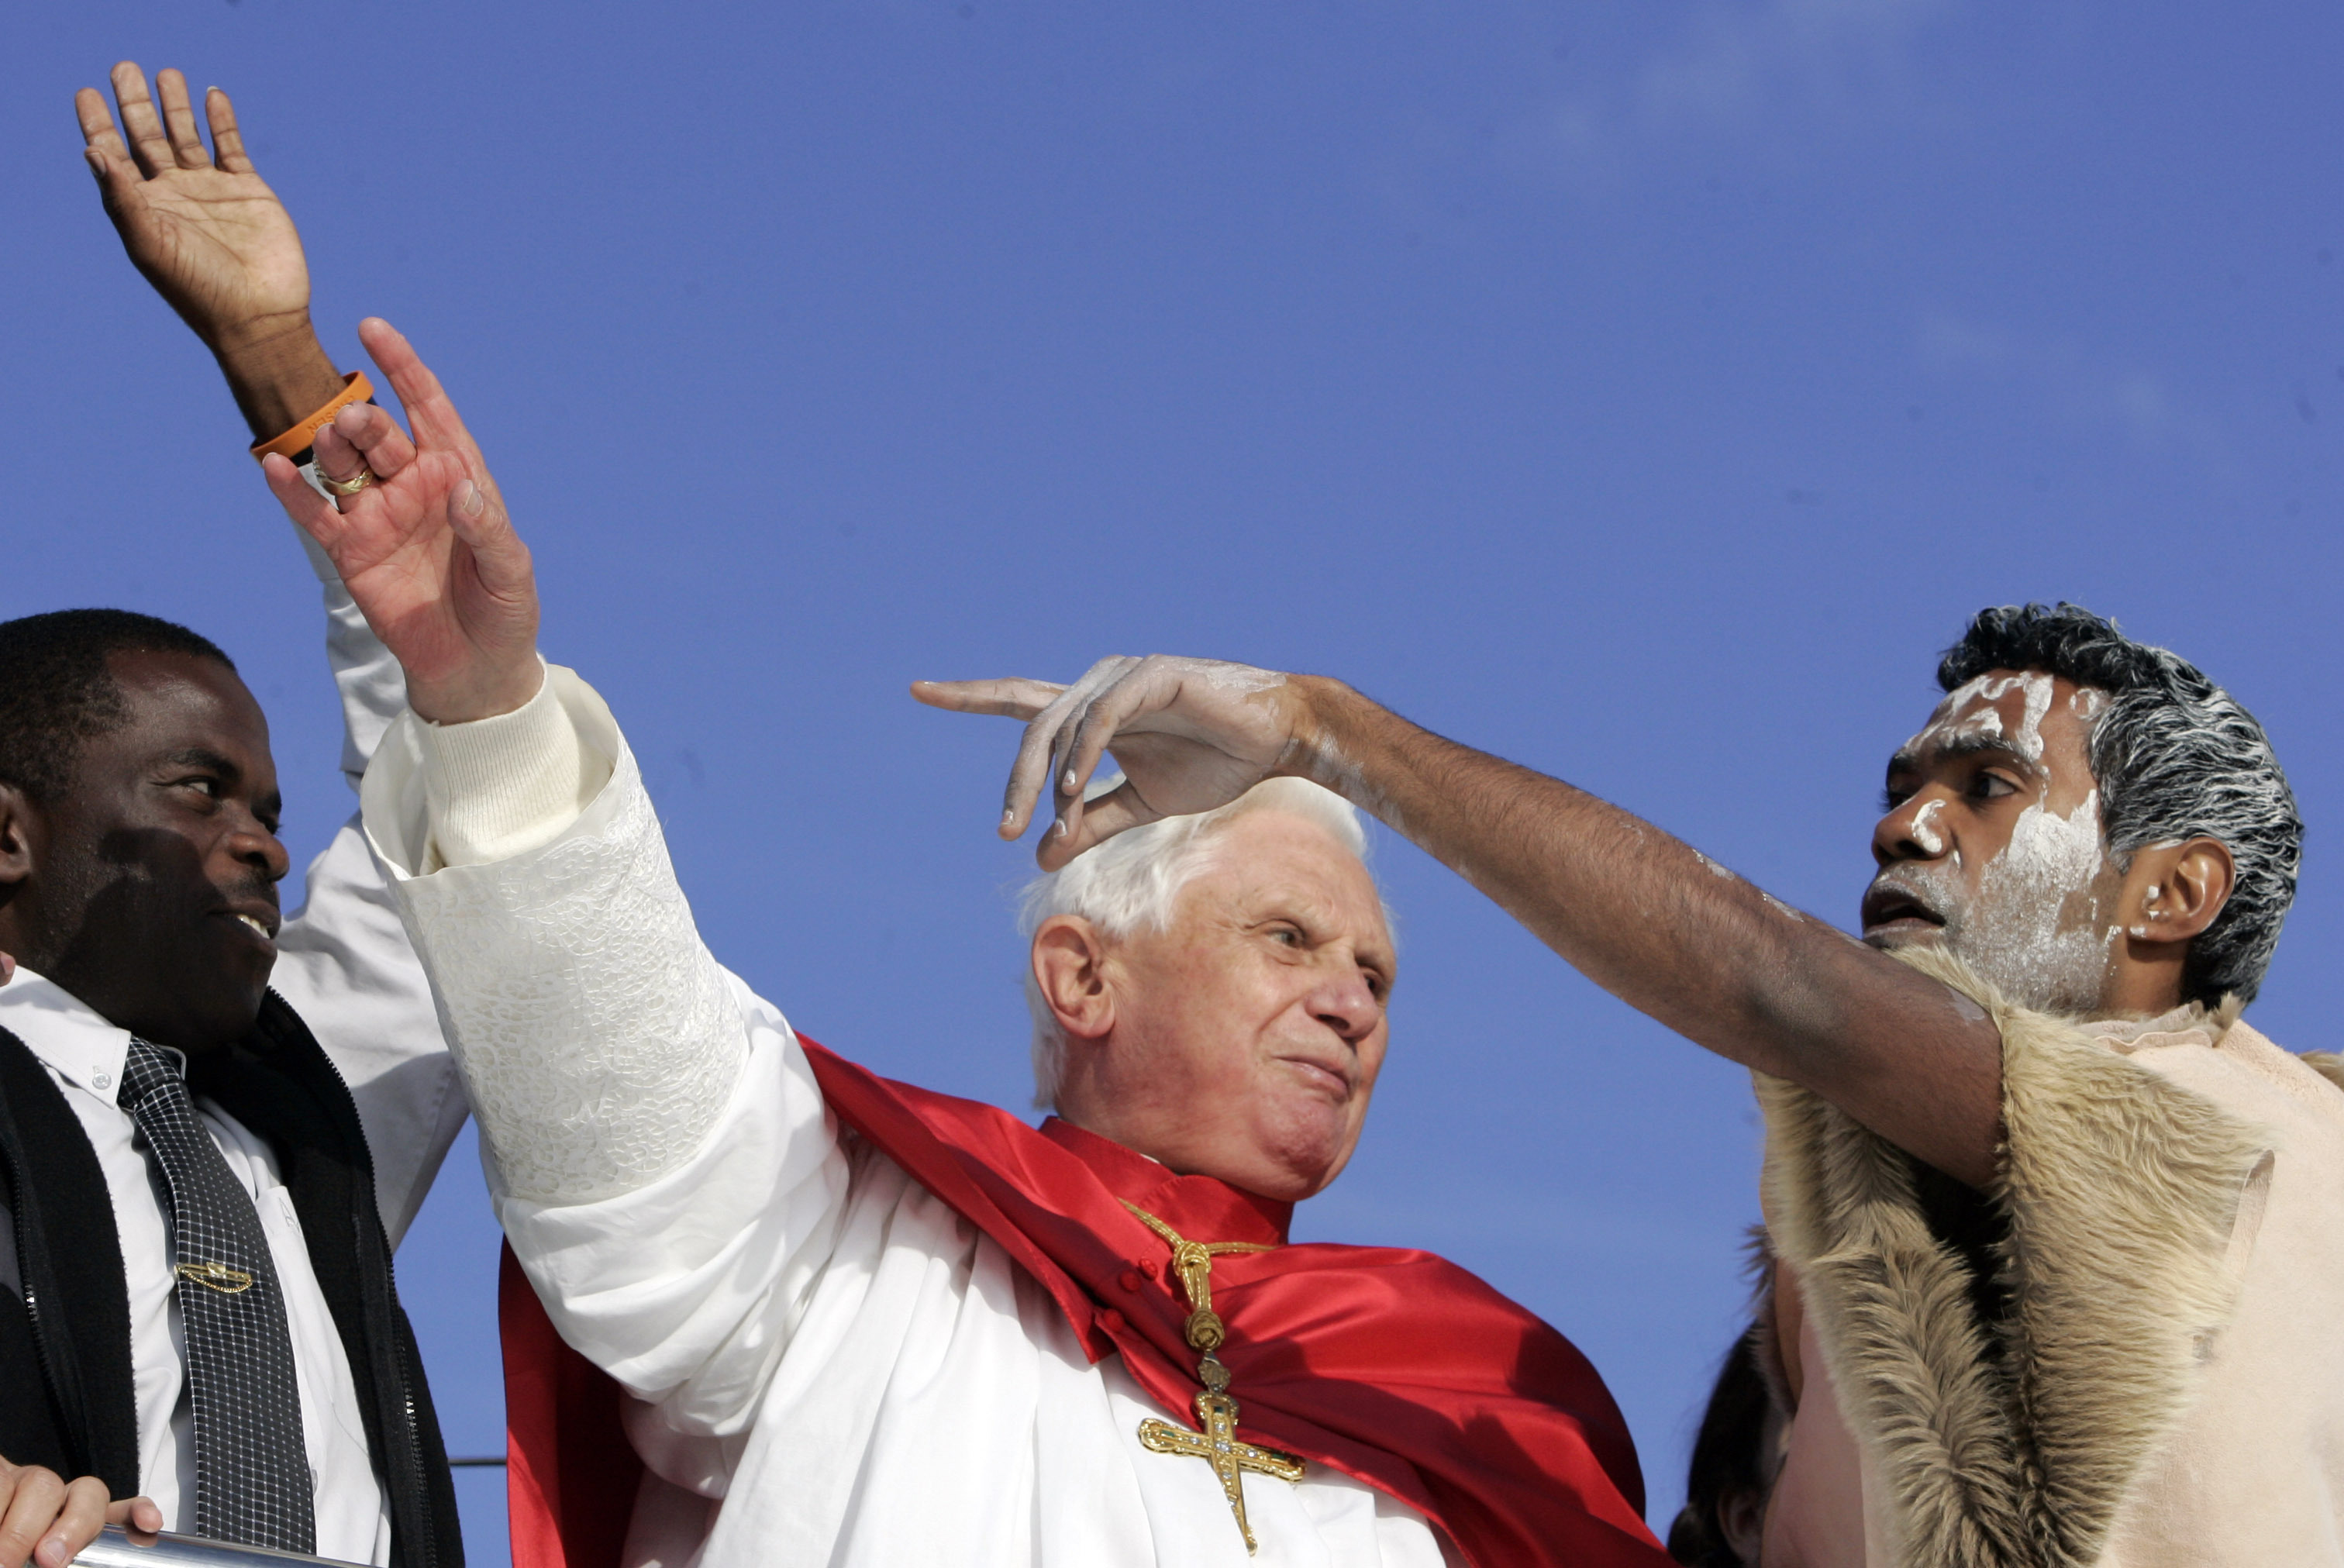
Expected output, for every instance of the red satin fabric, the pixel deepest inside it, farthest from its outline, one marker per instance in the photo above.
(1392, 1366)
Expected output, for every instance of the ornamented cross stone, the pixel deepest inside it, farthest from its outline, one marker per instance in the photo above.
(1216, 1440)
(1216, 1445)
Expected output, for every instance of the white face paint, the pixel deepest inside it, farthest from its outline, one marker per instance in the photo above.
(2033, 927)
(1968, 710)
(2033, 921)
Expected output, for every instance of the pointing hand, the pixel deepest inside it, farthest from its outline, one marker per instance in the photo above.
(1190, 733)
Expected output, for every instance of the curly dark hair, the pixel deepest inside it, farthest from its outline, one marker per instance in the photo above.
(2175, 756)
(58, 694)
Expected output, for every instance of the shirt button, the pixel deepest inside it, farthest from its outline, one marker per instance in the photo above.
(1110, 1320)
(1129, 1279)
(100, 1081)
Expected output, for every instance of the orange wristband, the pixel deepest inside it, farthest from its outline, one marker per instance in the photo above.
(356, 388)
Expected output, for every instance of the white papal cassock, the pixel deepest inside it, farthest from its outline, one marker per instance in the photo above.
(827, 1364)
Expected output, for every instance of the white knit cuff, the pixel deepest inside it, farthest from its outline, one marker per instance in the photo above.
(501, 787)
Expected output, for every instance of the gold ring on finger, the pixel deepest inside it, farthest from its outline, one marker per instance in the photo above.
(350, 486)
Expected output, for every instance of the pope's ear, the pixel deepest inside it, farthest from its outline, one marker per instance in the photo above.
(1070, 968)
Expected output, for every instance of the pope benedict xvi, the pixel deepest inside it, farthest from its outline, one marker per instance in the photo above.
(857, 1323)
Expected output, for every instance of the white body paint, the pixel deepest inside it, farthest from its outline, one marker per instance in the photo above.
(1984, 719)
(2020, 930)
(1243, 679)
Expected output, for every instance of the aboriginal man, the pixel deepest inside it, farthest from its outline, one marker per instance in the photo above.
(2056, 1231)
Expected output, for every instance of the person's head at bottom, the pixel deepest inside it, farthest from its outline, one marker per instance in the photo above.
(1735, 1455)
(1210, 990)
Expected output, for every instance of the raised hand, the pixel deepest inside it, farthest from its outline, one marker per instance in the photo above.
(1190, 733)
(426, 550)
(211, 236)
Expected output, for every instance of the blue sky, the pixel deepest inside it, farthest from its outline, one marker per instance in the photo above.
(1646, 393)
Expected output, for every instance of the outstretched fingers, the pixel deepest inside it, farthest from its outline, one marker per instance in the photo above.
(432, 417)
(479, 518)
(179, 121)
(141, 126)
(98, 129)
(1043, 704)
(1009, 699)
(228, 142)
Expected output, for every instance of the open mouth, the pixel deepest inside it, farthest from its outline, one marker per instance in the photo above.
(1891, 910)
(262, 929)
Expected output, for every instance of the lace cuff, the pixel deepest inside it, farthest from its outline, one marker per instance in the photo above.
(597, 1037)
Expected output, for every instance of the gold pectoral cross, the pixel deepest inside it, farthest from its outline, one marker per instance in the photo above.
(1216, 1441)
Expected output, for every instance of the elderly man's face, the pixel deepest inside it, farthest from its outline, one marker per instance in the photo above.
(1992, 843)
(1248, 1033)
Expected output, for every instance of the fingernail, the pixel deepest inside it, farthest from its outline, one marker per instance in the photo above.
(1008, 817)
(1070, 781)
(1059, 831)
(473, 500)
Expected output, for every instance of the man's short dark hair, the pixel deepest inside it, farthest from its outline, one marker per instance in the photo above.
(58, 694)
(2174, 756)
(1729, 1455)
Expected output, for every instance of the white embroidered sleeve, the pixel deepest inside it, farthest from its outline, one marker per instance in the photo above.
(597, 1036)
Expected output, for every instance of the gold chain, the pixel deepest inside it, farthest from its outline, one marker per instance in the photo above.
(1193, 1261)
(1216, 1440)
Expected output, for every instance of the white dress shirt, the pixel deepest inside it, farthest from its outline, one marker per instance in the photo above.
(345, 965)
(828, 1364)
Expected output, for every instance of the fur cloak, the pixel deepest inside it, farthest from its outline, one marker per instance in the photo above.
(2126, 1353)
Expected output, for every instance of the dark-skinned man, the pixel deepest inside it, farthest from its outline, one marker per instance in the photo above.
(215, 1123)
(2049, 1290)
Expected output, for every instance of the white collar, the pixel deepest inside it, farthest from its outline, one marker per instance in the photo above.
(63, 1031)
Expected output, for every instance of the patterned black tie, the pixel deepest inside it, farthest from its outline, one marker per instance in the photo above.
(252, 1471)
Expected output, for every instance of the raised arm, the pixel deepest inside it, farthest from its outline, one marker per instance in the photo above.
(661, 1155)
(206, 231)
(211, 236)
(220, 247)
(1640, 912)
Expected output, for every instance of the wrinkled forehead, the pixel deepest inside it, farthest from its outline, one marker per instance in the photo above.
(2006, 710)
(1269, 856)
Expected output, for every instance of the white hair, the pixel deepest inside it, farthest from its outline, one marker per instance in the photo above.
(1131, 881)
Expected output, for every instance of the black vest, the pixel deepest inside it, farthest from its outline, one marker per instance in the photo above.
(67, 1396)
